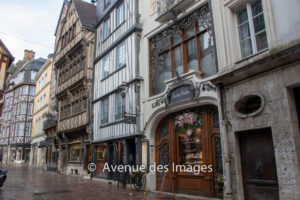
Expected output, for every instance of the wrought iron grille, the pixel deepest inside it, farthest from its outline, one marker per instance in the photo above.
(165, 5)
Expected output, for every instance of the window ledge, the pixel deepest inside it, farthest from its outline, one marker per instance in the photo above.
(234, 4)
(252, 56)
(111, 123)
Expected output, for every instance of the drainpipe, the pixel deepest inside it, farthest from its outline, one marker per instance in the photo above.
(227, 159)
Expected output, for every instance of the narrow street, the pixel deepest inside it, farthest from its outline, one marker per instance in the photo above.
(28, 183)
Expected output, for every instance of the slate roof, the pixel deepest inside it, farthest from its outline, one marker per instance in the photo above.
(86, 12)
(35, 64)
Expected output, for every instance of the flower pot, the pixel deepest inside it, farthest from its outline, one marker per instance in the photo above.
(189, 132)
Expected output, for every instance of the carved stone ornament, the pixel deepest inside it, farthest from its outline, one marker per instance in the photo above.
(181, 90)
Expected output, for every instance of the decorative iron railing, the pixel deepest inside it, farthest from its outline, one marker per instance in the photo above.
(165, 5)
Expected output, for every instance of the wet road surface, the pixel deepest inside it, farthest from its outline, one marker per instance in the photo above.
(28, 183)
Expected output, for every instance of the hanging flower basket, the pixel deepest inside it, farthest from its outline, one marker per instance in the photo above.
(187, 121)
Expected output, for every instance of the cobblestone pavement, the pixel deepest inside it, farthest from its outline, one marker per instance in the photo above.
(28, 183)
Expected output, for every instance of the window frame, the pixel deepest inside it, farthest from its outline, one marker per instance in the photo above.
(106, 3)
(119, 114)
(118, 64)
(106, 28)
(106, 120)
(184, 51)
(106, 58)
(250, 22)
(118, 22)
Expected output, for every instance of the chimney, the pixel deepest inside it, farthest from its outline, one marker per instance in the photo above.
(29, 54)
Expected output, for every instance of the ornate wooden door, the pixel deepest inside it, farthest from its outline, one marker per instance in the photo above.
(163, 156)
(258, 165)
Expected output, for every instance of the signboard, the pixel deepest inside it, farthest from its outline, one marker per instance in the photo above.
(181, 93)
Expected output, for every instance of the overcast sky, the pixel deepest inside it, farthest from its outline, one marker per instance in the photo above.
(29, 24)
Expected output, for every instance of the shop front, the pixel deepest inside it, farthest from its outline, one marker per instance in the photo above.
(74, 154)
(114, 153)
(188, 142)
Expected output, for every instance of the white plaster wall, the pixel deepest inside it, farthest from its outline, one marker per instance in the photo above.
(287, 20)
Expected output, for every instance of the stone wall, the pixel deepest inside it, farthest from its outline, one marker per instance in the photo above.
(278, 113)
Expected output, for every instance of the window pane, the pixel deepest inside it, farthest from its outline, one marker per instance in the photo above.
(190, 31)
(244, 31)
(208, 65)
(106, 30)
(259, 23)
(120, 56)
(192, 54)
(243, 16)
(120, 14)
(164, 73)
(190, 148)
(246, 48)
(104, 111)
(105, 67)
(261, 41)
(177, 38)
(256, 7)
(205, 41)
(119, 106)
(178, 60)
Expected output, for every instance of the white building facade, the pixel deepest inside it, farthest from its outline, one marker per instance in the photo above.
(116, 88)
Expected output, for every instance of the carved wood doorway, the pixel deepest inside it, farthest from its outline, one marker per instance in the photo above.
(201, 147)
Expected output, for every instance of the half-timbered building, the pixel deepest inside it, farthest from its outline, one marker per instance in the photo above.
(6, 59)
(74, 66)
(18, 109)
(117, 132)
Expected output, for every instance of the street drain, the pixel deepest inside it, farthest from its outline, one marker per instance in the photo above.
(52, 192)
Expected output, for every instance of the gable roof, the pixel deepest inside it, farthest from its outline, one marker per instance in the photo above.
(66, 2)
(86, 13)
(7, 52)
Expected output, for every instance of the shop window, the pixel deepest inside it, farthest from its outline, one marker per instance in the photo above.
(190, 147)
(75, 153)
(252, 30)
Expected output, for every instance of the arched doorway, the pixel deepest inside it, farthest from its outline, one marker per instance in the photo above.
(189, 142)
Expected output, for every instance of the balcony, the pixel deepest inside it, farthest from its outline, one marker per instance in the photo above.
(50, 122)
(166, 9)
